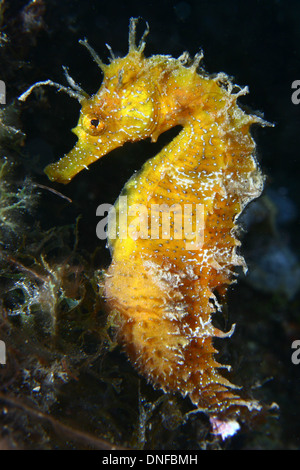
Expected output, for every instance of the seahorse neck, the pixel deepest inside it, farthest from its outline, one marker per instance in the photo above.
(184, 152)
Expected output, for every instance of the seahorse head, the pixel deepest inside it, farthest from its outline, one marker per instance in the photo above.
(124, 109)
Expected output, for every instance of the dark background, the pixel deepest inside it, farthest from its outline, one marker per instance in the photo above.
(255, 41)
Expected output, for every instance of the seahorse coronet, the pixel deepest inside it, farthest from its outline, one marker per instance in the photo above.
(164, 289)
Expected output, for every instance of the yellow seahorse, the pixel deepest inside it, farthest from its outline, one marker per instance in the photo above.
(165, 290)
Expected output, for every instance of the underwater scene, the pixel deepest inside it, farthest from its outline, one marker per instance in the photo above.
(149, 226)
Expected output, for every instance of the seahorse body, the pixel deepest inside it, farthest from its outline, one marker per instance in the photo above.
(163, 290)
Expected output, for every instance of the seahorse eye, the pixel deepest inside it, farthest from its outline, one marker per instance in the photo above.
(92, 124)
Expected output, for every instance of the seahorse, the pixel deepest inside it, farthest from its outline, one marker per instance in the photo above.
(164, 291)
